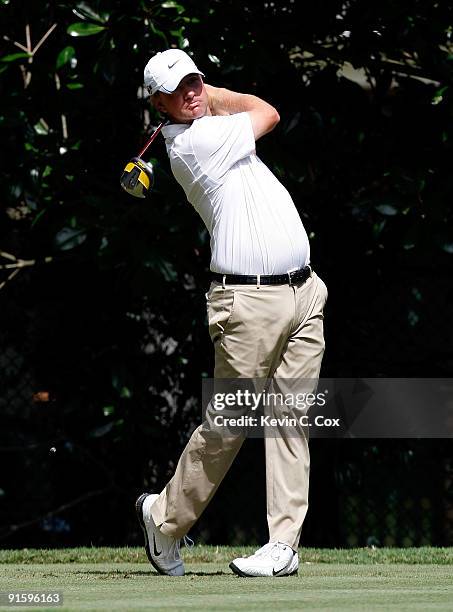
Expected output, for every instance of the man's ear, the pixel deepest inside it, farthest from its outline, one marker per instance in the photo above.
(157, 102)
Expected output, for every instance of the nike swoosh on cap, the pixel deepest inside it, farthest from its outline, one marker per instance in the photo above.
(170, 66)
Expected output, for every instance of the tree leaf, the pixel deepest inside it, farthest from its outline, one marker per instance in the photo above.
(14, 56)
(214, 59)
(69, 238)
(65, 56)
(125, 392)
(98, 432)
(84, 29)
(170, 4)
(167, 270)
(387, 209)
(83, 11)
(41, 128)
(38, 217)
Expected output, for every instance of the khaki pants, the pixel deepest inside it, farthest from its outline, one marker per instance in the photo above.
(271, 331)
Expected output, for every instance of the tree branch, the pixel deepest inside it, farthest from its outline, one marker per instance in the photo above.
(10, 529)
(18, 265)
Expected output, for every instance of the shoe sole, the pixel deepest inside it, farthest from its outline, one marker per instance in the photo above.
(240, 573)
(139, 511)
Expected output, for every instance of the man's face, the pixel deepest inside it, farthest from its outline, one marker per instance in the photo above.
(189, 101)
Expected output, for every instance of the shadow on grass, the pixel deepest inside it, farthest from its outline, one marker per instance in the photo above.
(150, 573)
(218, 573)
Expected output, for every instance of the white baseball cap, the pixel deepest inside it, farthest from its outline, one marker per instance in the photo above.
(165, 70)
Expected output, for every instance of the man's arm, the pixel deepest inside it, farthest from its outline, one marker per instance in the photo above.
(225, 102)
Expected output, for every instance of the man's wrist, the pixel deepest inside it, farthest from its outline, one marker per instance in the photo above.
(227, 102)
(216, 100)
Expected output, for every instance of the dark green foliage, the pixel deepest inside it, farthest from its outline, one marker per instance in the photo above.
(114, 326)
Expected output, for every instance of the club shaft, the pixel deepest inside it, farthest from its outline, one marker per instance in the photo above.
(154, 135)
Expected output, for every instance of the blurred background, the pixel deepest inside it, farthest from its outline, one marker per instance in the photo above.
(103, 332)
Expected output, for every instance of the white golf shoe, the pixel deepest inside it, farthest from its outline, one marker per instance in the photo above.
(161, 550)
(273, 559)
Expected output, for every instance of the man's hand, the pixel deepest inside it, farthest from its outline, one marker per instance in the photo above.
(225, 102)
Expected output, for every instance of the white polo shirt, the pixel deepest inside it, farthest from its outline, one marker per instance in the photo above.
(252, 220)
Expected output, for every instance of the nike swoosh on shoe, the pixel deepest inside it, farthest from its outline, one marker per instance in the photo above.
(156, 552)
(279, 572)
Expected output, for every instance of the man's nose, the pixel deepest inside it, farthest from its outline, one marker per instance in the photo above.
(189, 92)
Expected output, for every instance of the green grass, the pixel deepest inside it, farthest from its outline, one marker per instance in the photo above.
(224, 554)
(121, 579)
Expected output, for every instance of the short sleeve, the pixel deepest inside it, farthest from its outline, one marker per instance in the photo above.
(219, 142)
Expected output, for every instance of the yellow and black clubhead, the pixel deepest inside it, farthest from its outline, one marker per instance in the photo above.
(137, 178)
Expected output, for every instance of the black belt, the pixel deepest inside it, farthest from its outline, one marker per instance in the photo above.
(290, 278)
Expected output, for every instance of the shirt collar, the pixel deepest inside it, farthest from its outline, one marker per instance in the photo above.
(173, 129)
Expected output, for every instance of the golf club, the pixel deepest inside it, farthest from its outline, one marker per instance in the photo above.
(138, 176)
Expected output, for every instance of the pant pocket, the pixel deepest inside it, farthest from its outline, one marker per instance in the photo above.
(323, 290)
(208, 293)
(220, 305)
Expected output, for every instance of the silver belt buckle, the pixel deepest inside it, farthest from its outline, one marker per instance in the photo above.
(290, 282)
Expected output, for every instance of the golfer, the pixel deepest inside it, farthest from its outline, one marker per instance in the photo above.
(265, 306)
